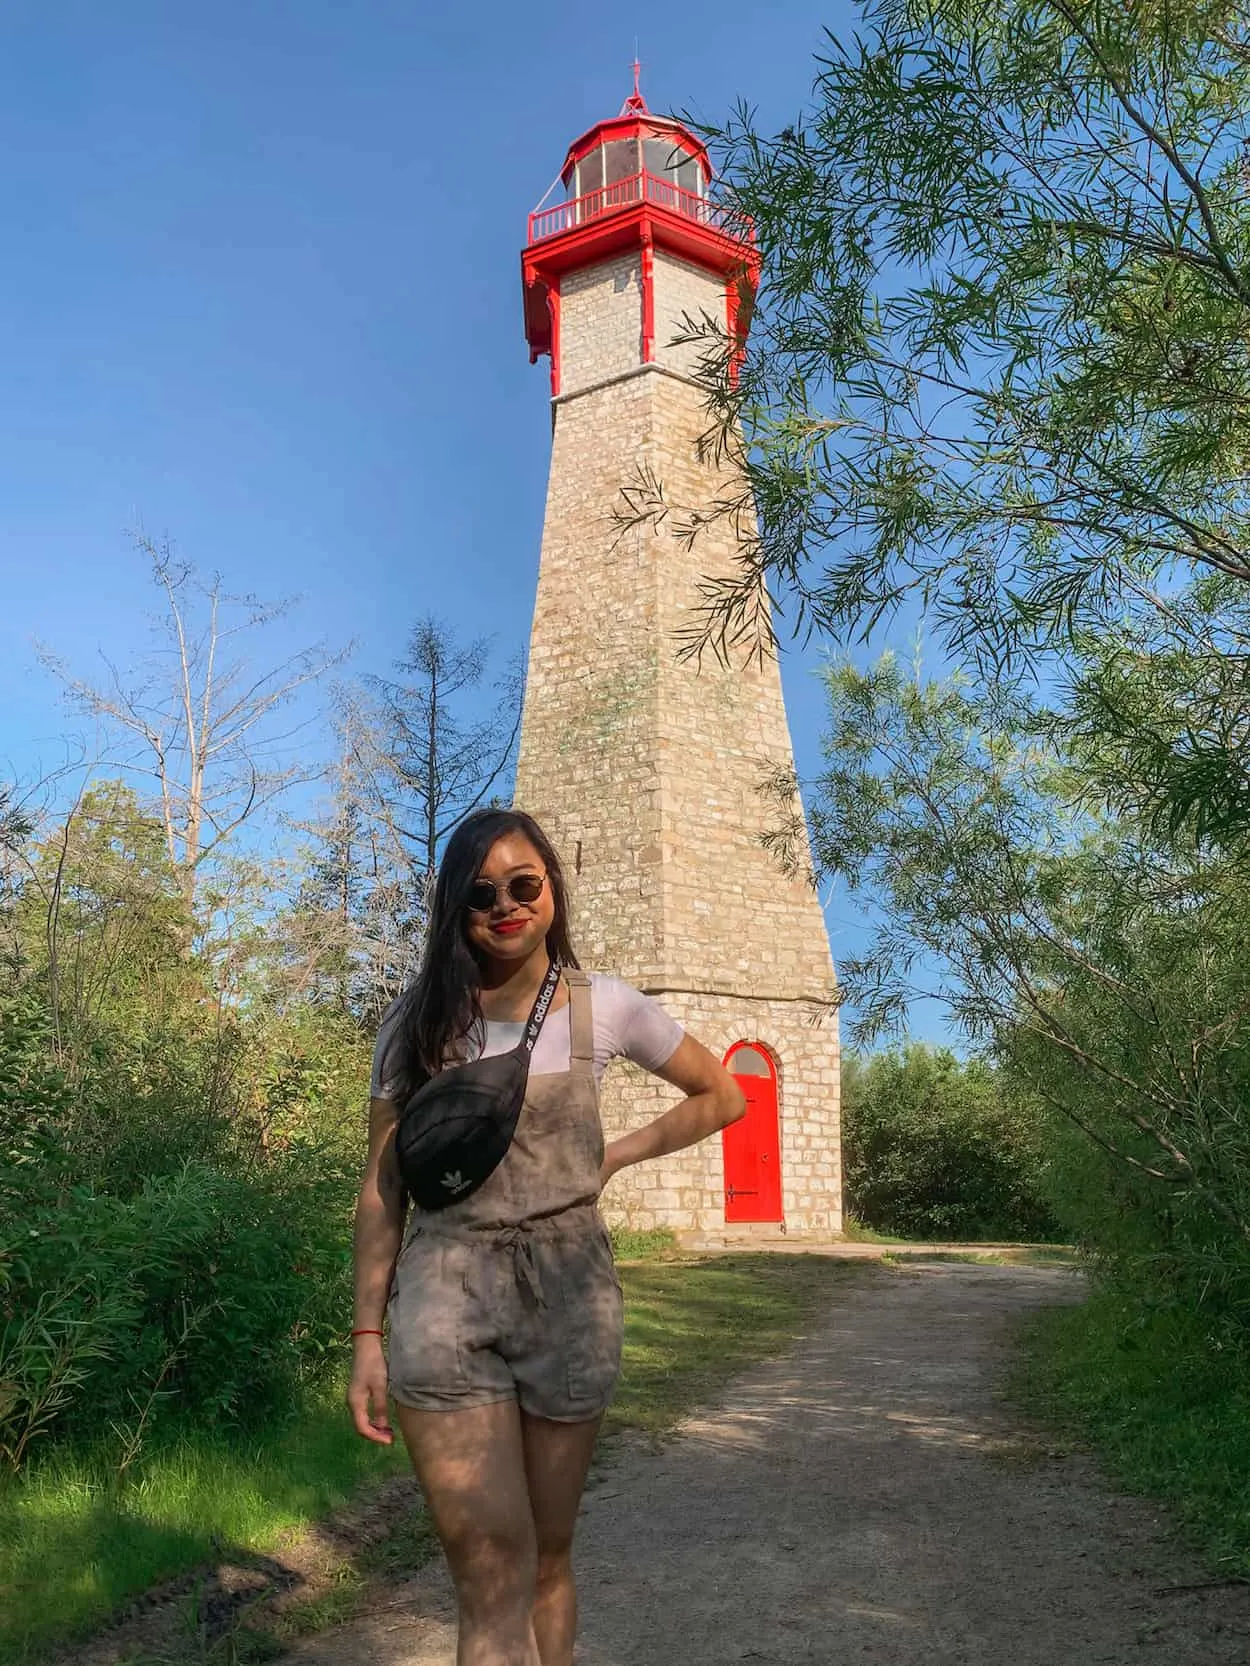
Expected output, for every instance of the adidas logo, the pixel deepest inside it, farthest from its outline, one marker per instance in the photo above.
(454, 1182)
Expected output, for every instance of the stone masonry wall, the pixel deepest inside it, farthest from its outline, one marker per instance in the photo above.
(600, 322)
(647, 771)
(587, 764)
(723, 736)
(684, 294)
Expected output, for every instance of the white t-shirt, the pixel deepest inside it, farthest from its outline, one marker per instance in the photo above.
(627, 1024)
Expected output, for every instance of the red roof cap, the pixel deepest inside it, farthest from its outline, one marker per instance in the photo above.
(635, 104)
(635, 120)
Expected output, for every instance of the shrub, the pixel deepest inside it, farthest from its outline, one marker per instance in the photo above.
(935, 1148)
(209, 1285)
(206, 1293)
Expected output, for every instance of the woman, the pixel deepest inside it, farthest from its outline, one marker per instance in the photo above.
(505, 1308)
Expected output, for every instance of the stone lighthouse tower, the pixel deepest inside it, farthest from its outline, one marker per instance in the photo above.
(645, 768)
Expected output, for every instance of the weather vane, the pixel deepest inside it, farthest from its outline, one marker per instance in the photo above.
(635, 104)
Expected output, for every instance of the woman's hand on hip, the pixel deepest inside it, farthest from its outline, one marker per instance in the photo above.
(366, 1392)
(713, 1100)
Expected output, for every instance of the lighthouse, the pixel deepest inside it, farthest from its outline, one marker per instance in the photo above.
(650, 770)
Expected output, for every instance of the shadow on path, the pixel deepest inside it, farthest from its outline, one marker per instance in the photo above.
(868, 1499)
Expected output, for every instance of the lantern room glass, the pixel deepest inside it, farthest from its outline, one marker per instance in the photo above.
(672, 164)
(588, 175)
(610, 165)
(620, 161)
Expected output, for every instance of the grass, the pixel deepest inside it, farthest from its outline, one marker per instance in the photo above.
(690, 1326)
(629, 1244)
(1168, 1413)
(1024, 1255)
(75, 1546)
(859, 1232)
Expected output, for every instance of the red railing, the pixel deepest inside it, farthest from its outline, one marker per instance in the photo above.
(624, 193)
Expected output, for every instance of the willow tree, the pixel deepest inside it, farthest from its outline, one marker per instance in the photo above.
(1000, 360)
(998, 376)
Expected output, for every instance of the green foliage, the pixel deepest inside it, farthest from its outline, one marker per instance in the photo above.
(207, 1289)
(935, 1148)
(1000, 354)
(1150, 1151)
(34, 1101)
(103, 926)
(998, 372)
(1104, 969)
(178, 1173)
(209, 1293)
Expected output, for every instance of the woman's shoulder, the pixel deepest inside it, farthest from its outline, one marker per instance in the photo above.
(391, 1013)
(613, 1001)
(609, 983)
(385, 1076)
(630, 1024)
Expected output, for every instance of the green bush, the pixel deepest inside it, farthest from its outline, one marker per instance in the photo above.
(935, 1148)
(1149, 1157)
(139, 1283)
(207, 1294)
(179, 1151)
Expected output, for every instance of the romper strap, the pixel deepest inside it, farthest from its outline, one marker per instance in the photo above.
(581, 1019)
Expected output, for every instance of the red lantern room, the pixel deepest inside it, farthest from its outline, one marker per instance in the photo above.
(637, 182)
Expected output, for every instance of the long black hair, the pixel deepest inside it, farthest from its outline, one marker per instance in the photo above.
(443, 1003)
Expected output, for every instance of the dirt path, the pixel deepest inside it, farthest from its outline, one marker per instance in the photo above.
(866, 1500)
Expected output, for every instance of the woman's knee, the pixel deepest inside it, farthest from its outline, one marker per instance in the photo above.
(493, 1570)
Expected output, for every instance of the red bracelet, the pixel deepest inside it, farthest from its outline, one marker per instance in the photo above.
(366, 1333)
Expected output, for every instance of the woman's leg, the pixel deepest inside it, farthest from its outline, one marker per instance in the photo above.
(557, 1458)
(472, 1470)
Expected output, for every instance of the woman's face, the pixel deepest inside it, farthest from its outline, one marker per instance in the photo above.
(511, 930)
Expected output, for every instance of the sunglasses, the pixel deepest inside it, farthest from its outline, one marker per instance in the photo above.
(526, 887)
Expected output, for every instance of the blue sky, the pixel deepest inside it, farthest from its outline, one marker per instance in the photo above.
(260, 292)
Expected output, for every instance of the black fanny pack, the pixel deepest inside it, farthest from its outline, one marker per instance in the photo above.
(455, 1130)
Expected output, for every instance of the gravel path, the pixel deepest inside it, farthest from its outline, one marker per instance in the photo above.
(868, 1500)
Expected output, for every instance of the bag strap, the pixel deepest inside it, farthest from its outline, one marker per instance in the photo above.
(541, 1008)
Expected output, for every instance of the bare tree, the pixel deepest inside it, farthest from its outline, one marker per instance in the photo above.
(199, 720)
(353, 933)
(414, 758)
(424, 762)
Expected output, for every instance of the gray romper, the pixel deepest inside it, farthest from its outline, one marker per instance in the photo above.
(512, 1294)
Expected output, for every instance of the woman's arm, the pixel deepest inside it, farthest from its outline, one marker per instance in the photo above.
(378, 1233)
(713, 1100)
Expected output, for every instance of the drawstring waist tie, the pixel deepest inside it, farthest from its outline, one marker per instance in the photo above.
(517, 1241)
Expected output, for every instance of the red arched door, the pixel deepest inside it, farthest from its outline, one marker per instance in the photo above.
(753, 1145)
